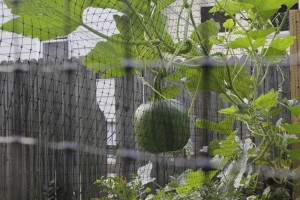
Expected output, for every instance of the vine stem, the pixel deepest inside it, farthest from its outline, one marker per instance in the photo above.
(261, 154)
(144, 27)
(125, 42)
(198, 35)
(186, 27)
(273, 38)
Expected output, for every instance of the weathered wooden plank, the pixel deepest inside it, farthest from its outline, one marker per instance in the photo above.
(18, 109)
(294, 22)
(32, 131)
(124, 94)
(60, 87)
(3, 95)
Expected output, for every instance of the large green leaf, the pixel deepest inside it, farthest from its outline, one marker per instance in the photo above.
(124, 26)
(228, 146)
(282, 43)
(45, 19)
(224, 127)
(104, 56)
(295, 110)
(294, 154)
(242, 42)
(270, 4)
(255, 34)
(292, 128)
(217, 78)
(142, 6)
(204, 79)
(230, 6)
(266, 101)
(195, 180)
(207, 31)
(158, 27)
(267, 8)
(109, 57)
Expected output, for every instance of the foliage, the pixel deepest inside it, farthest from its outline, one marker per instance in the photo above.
(258, 166)
(116, 187)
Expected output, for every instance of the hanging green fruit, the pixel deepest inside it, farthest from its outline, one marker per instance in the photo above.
(161, 125)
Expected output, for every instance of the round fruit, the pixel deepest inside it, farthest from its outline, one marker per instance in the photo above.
(162, 126)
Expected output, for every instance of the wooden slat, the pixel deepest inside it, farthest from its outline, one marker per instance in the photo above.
(124, 94)
(93, 133)
(295, 72)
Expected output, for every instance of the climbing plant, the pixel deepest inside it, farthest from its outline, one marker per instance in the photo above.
(252, 30)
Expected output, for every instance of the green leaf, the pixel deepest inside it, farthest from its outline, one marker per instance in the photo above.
(204, 79)
(273, 54)
(282, 43)
(116, 72)
(255, 34)
(195, 180)
(214, 79)
(292, 128)
(124, 26)
(228, 111)
(259, 42)
(270, 4)
(158, 24)
(266, 101)
(292, 140)
(227, 146)
(242, 42)
(294, 154)
(295, 110)
(108, 56)
(174, 77)
(105, 55)
(207, 30)
(170, 92)
(160, 5)
(224, 127)
(228, 24)
(230, 6)
(45, 19)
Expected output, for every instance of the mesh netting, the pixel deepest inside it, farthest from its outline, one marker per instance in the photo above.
(73, 74)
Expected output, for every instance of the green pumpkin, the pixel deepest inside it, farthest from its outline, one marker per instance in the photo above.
(161, 126)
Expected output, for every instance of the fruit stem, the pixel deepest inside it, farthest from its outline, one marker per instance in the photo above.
(157, 86)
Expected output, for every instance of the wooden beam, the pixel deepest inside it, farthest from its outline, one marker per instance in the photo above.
(295, 72)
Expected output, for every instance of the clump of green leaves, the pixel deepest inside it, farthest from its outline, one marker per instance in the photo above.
(118, 187)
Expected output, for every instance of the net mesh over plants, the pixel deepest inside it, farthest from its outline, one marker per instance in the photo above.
(148, 99)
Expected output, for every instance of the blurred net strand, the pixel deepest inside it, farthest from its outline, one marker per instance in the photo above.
(74, 64)
(202, 162)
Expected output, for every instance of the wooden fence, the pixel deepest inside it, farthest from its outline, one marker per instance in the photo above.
(49, 120)
(51, 129)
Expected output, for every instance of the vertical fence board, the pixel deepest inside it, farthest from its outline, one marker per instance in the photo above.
(93, 134)
(124, 94)
(294, 21)
(3, 84)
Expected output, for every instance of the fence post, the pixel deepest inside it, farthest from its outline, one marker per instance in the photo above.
(295, 71)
